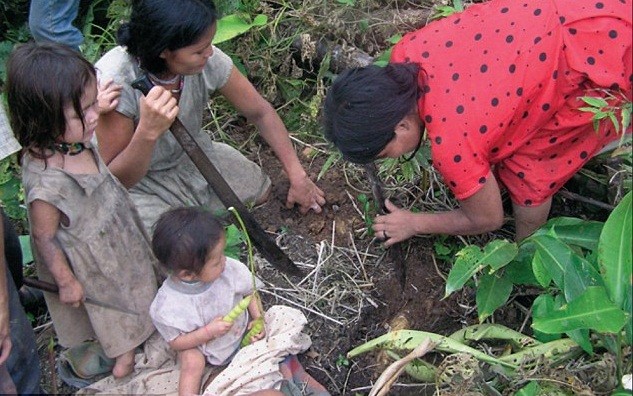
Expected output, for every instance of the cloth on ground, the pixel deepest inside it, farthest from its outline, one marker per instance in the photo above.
(253, 368)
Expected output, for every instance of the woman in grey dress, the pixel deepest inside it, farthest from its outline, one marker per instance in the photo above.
(171, 42)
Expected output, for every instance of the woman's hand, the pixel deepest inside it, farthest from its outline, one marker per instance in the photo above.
(108, 96)
(482, 212)
(71, 293)
(306, 194)
(243, 95)
(396, 226)
(158, 111)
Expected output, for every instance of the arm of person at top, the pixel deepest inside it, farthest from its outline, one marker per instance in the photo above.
(214, 329)
(5, 336)
(482, 212)
(243, 95)
(45, 220)
(127, 150)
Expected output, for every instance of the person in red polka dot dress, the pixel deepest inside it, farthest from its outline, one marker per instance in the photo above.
(497, 88)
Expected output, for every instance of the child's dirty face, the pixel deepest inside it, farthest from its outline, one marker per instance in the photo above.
(76, 130)
(216, 261)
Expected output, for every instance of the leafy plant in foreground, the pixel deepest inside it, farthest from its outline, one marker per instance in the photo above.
(584, 268)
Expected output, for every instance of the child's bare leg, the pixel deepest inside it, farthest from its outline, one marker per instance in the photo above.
(528, 218)
(192, 363)
(124, 364)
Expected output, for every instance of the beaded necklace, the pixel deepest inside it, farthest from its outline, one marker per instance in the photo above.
(178, 78)
(70, 148)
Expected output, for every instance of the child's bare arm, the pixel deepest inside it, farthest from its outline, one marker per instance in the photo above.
(255, 308)
(45, 219)
(108, 96)
(211, 330)
(256, 312)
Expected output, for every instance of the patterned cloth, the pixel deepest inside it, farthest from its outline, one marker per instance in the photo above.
(261, 365)
(266, 364)
(500, 83)
(8, 143)
(108, 251)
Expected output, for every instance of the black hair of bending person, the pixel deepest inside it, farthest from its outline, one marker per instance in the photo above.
(157, 25)
(364, 105)
(184, 237)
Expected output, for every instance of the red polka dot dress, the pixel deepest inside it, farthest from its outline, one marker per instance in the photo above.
(499, 88)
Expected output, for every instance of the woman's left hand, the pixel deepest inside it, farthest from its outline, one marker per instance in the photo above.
(394, 227)
(306, 194)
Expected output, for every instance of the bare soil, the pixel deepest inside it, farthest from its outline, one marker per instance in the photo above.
(418, 305)
(383, 304)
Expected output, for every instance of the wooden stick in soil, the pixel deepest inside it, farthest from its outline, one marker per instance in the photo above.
(395, 251)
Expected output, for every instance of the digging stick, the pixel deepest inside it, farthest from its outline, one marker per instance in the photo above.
(52, 288)
(266, 246)
(395, 251)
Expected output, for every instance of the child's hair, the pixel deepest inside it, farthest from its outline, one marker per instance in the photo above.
(157, 25)
(184, 237)
(42, 79)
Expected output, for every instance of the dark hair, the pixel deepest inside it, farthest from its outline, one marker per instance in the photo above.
(157, 25)
(184, 237)
(42, 79)
(364, 105)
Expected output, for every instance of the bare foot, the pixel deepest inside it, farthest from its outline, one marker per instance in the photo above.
(124, 364)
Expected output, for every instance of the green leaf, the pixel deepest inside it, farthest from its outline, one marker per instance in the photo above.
(594, 101)
(492, 292)
(27, 253)
(10, 198)
(581, 336)
(629, 325)
(614, 252)
(520, 271)
(234, 242)
(232, 26)
(600, 115)
(395, 39)
(331, 160)
(466, 265)
(589, 109)
(542, 306)
(409, 339)
(472, 259)
(577, 232)
(615, 122)
(625, 114)
(531, 389)
(542, 275)
(499, 253)
(579, 276)
(555, 256)
(592, 310)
